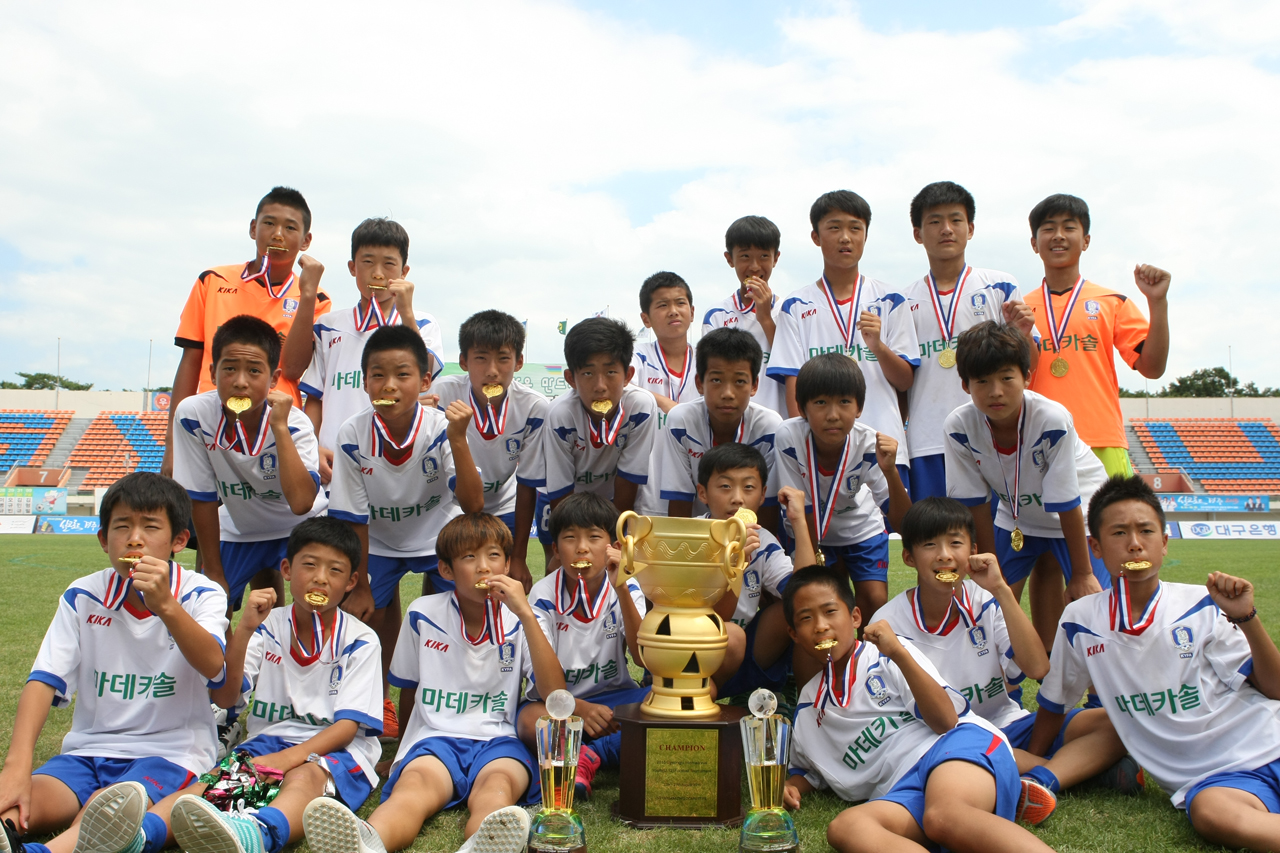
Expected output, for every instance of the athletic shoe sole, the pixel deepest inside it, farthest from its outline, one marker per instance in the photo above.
(1035, 803)
(503, 831)
(112, 819)
(330, 827)
(198, 828)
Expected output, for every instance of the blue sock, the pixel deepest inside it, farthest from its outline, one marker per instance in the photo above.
(156, 831)
(275, 829)
(609, 748)
(1045, 777)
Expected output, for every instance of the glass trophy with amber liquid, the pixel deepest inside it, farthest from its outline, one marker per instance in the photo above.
(766, 745)
(559, 734)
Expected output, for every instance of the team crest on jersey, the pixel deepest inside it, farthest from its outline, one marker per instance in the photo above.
(852, 483)
(610, 624)
(335, 679)
(513, 446)
(1182, 640)
(431, 469)
(1038, 460)
(878, 689)
(751, 580)
(874, 309)
(1092, 308)
(290, 307)
(979, 303)
(267, 462)
(978, 639)
(507, 655)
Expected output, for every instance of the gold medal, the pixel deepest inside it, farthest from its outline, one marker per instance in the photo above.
(947, 576)
(1135, 566)
(1059, 367)
(947, 358)
(580, 564)
(276, 249)
(747, 516)
(819, 558)
(826, 645)
(491, 390)
(316, 598)
(601, 407)
(133, 561)
(1016, 539)
(482, 584)
(239, 404)
(385, 402)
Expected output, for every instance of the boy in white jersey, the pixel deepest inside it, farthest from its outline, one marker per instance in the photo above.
(138, 645)
(599, 436)
(664, 367)
(506, 432)
(245, 444)
(831, 455)
(878, 724)
(591, 617)
(313, 673)
(459, 664)
(964, 618)
(847, 313)
(1188, 675)
(1015, 442)
(728, 375)
(324, 357)
(751, 248)
(402, 471)
(952, 297)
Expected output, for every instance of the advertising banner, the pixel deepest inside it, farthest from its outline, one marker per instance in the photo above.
(17, 523)
(83, 524)
(1229, 530)
(1215, 503)
(33, 500)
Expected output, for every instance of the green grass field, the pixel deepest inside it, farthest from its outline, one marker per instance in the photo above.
(36, 569)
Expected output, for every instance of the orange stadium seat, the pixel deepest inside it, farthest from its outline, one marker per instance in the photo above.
(1227, 455)
(27, 435)
(117, 443)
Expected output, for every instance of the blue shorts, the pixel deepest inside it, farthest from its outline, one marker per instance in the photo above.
(1263, 783)
(242, 560)
(966, 742)
(867, 560)
(751, 674)
(353, 786)
(85, 775)
(509, 519)
(464, 758)
(1019, 732)
(542, 518)
(1017, 565)
(610, 699)
(385, 574)
(928, 477)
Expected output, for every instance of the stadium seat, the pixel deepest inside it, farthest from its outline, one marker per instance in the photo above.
(28, 435)
(117, 443)
(1227, 455)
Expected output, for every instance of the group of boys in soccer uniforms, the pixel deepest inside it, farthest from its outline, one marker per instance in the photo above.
(946, 412)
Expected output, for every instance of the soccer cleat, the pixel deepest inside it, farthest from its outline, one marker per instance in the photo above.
(199, 827)
(331, 827)
(1035, 803)
(503, 831)
(588, 764)
(231, 734)
(10, 840)
(1124, 776)
(390, 722)
(112, 821)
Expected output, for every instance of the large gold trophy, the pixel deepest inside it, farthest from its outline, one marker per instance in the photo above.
(688, 745)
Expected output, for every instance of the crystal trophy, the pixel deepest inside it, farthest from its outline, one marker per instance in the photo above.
(766, 745)
(559, 734)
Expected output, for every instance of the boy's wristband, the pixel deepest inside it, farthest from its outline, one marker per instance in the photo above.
(1243, 619)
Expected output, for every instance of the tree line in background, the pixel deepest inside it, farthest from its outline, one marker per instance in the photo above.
(1208, 382)
(49, 382)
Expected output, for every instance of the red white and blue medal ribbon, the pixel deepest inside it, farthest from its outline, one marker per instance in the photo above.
(739, 435)
(668, 373)
(848, 327)
(824, 511)
(740, 306)
(118, 587)
(591, 610)
(489, 423)
(917, 611)
(318, 645)
(1056, 329)
(827, 692)
(1120, 600)
(373, 318)
(382, 434)
(1011, 496)
(947, 317)
(240, 439)
(493, 631)
(264, 273)
(605, 433)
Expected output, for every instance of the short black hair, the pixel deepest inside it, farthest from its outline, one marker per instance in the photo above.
(381, 232)
(1055, 204)
(583, 510)
(397, 337)
(830, 375)
(832, 576)
(144, 490)
(845, 201)
(937, 194)
(598, 335)
(932, 517)
(470, 531)
(729, 457)
(323, 530)
(1121, 488)
(491, 329)
(659, 280)
(991, 346)
(729, 345)
(289, 197)
(752, 232)
(251, 330)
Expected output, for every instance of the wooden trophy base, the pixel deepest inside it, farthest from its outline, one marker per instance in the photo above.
(680, 772)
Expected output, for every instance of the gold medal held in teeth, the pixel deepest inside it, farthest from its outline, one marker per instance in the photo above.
(1016, 539)
(133, 561)
(482, 584)
(601, 407)
(1059, 367)
(316, 598)
(947, 358)
(580, 564)
(276, 249)
(824, 645)
(239, 404)
(491, 390)
(385, 402)
(747, 516)
(377, 286)
(947, 576)
(1135, 565)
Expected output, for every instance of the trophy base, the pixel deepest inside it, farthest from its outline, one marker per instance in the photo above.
(688, 770)
(768, 831)
(557, 832)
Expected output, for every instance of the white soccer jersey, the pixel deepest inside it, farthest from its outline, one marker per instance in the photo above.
(1176, 693)
(936, 390)
(853, 519)
(509, 451)
(1057, 473)
(730, 314)
(972, 654)
(295, 701)
(592, 652)
(656, 375)
(463, 689)
(861, 750)
(808, 327)
(688, 436)
(335, 376)
(769, 569)
(210, 468)
(404, 505)
(136, 695)
(578, 455)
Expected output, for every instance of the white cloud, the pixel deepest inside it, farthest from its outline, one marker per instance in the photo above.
(135, 140)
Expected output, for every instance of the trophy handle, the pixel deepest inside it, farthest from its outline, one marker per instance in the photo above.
(734, 559)
(628, 541)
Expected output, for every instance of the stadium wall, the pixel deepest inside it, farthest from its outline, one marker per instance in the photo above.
(1200, 407)
(86, 404)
